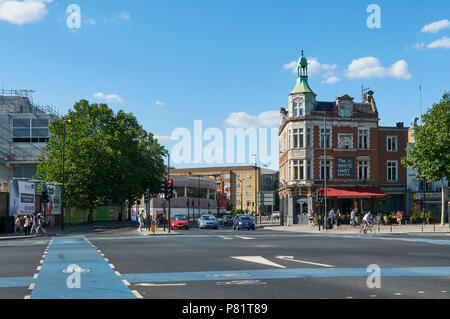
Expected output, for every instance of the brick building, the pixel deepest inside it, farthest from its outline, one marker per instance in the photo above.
(342, 139)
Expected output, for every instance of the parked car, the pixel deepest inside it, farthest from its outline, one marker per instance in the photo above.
(244, 221)
(179, 222)
(227, 220)
(208, 221)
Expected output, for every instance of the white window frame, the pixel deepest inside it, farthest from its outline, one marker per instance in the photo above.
(363, 132)
(388, 167)
(328, 164)
(328, 140)
(394, 139)
(361, 165)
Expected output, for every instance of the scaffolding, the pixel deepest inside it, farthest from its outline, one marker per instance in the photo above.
(14, 103)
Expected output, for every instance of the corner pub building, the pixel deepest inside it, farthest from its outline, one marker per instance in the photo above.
(362, 160)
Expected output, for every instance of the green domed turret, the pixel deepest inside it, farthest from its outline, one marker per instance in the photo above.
(302, 77)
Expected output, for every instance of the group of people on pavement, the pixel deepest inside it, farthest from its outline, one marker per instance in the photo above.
(29, 223)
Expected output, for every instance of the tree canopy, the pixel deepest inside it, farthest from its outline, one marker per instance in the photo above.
(430, 155)
(108, 156)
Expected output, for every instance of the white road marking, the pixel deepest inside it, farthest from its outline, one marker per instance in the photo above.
(126, 282)
(31, 287)
(421, 292)
(258, 260)
(246, 238)
(228, 238)
(27, 297)
(38, 268)
(138, 295)
(398, 294)
(159, 285)
(112, 266)
(106, 259)
(35, 276)
(241, 282)
(118, 273)
(291, 258)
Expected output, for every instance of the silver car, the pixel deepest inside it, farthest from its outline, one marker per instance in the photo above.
(208, 221)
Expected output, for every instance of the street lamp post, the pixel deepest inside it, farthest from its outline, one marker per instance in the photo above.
(63, 174)
(325, 166)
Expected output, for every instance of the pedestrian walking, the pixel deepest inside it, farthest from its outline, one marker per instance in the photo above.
(26, 225)
(331, 218)
(17, 224)
(311, 218)
(41, 225)
(352, 218)
(399, 217)
(33, 223)
(338, 218)
(141, 220)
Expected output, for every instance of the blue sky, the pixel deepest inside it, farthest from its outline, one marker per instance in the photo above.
(173, 62)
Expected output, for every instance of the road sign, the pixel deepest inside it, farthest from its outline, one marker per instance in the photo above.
(266, 199)
(153, 226)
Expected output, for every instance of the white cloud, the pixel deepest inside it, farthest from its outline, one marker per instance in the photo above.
(108, 97)
(21, 12)
(435, 27)
(370, 67)
(266, 119)
(160, 103)
(443, 42)
(124, 15)
(331, 80)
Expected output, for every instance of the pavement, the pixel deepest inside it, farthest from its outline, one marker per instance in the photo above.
(348, 230)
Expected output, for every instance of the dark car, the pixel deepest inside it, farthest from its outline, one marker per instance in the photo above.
(227, 220)
(243, 221)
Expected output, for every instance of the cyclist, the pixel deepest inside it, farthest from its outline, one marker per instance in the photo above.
(367, 219)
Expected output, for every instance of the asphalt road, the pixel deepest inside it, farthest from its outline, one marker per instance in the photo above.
(224, 264)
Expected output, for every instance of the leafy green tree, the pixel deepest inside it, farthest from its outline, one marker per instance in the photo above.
(430, 155)
(108, 156)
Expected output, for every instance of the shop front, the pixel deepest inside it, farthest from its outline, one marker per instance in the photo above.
(362, 199)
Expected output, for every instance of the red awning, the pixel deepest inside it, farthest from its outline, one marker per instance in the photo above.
(354, 192)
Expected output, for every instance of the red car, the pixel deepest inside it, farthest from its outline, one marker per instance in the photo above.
(179, 222)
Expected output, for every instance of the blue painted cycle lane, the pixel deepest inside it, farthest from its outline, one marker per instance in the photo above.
(97, 279)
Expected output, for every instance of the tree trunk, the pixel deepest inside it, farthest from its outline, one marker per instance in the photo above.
(443, 202)
(129, 211)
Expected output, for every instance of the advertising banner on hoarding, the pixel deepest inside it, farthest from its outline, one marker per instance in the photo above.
(22, 198)
(53, 207)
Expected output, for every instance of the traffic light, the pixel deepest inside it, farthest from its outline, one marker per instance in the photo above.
(192, 203)
(138, 201)
(44, 198)
(147, 196)
(187, 202)
(170, 193)
(164, 188)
